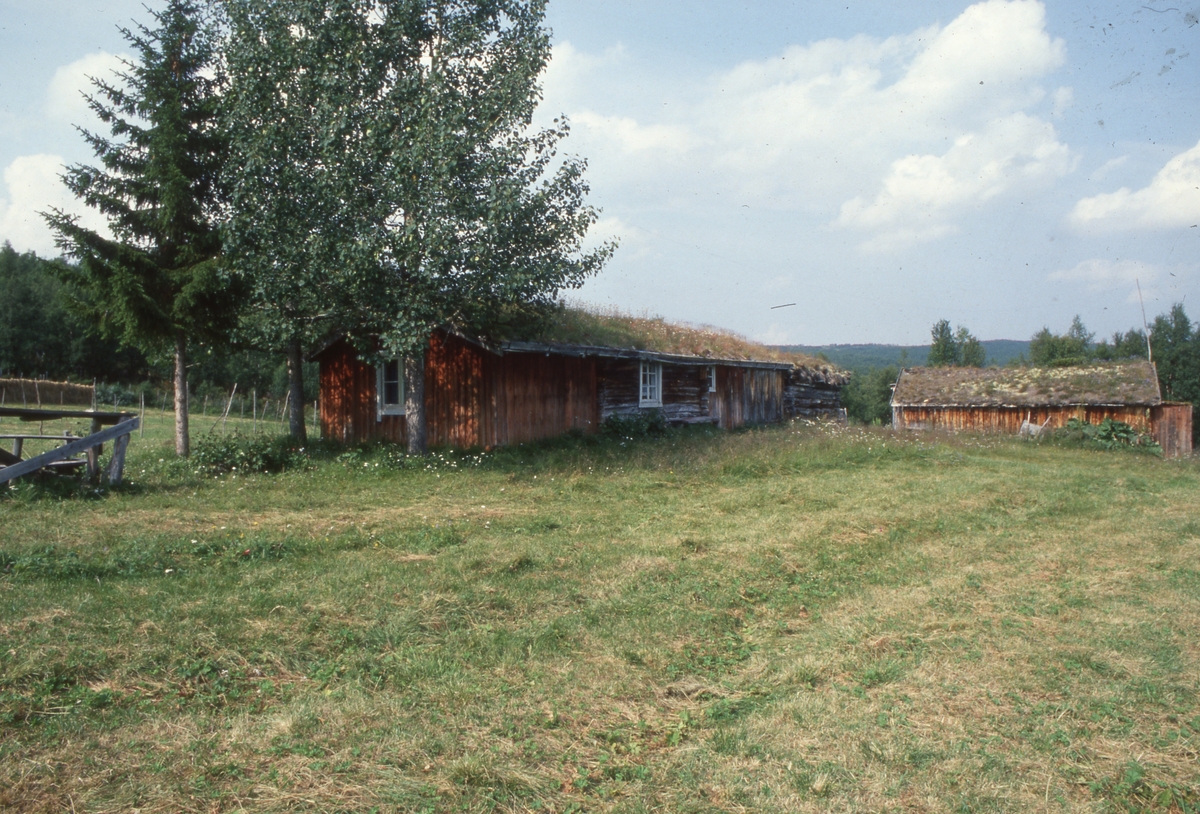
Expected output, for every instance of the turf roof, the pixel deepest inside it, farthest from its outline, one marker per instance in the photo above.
(1133, 382)
(614, 329)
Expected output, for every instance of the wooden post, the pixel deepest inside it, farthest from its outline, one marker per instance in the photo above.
(142, 418)
(225, 414)
(116, 467)
(18, 443)
(205, 413)
(93, 455)
(283, 412)
(254, 401)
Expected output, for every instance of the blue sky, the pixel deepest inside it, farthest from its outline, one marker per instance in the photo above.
(1004, 165)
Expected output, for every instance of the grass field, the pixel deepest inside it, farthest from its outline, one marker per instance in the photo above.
(787, 619)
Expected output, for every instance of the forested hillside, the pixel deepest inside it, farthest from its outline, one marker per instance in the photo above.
(869, 356)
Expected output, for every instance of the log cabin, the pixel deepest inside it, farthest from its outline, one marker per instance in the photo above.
(486, 394)
(1001, 400)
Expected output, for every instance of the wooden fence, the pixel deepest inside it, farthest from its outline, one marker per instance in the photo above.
(38, 393)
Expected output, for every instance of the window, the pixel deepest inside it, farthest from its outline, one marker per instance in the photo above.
(389, 389)
(712, 378)
(650, 394)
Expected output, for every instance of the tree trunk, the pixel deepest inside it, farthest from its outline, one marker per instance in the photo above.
(414, 405)
(182, 443)
(295, 363)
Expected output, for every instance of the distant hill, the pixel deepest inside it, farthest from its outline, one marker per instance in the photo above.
(865, 357)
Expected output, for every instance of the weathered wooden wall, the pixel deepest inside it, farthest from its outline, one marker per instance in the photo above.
(538, 396)
(685, 395)
(1170, 424)
(811, 395)
(1172, 428)
(747, 396)
(473, 398)
(347, 400)
(1008, 419)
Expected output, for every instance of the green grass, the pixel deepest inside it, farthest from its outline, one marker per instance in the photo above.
(788, 619)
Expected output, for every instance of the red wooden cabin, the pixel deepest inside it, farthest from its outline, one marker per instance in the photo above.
(486, 396)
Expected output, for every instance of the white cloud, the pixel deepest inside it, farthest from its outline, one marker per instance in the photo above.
(1172, 199)
(1107, 275)
(65, 101)
(897, 137)
(628, 136)
(922, 193)
(33, 186)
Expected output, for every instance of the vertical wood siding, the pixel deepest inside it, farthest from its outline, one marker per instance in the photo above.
(538, 396)
(1008, 419)
(473, 398)
(476, 398)
(1170, 424)
(1172, 428)
(747, 396)
(347, 401)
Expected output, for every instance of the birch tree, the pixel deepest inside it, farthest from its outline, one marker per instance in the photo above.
(387, 180)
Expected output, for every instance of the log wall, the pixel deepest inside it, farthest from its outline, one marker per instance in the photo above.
(685, 395)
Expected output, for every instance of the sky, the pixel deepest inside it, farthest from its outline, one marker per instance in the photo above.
(1004, 165)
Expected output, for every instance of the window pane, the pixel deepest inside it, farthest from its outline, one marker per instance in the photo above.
(391, 382)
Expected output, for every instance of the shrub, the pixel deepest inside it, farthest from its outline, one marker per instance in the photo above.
(218, 455)
(635, 425)
(1108, 434)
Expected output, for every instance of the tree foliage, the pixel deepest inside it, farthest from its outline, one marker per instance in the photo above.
(40, 336)
(1176, 345)
(385, 179)
(868, 395)
(954, 348)
(1072, 348)
(157, 282)
(1077, 346)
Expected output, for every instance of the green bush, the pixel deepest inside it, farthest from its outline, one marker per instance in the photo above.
(218, 455)
(1108, 434)
(635, 425)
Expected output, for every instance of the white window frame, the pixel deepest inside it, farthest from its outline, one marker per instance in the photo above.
(382, 409)
(650, 382)
(712, 378)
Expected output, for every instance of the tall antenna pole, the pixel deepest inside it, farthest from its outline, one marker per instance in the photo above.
(1145, 327)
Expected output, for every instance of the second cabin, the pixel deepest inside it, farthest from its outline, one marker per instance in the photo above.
(573, 379)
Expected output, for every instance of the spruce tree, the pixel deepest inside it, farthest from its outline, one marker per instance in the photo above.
(157, 283)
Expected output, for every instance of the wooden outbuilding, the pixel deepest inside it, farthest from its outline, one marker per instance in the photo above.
(495, 394)
(1001, 400)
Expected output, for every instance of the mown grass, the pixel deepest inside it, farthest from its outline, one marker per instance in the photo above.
(787, 619)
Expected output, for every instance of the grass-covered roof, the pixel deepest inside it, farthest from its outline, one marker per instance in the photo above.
(1130, 382)
(591, 327)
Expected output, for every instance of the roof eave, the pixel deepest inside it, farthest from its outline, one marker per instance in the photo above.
(635, 354)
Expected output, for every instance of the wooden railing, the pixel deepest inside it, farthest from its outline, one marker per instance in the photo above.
(63, 457)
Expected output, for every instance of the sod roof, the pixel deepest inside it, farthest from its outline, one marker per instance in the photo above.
(575, 327)
(1101, 383)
